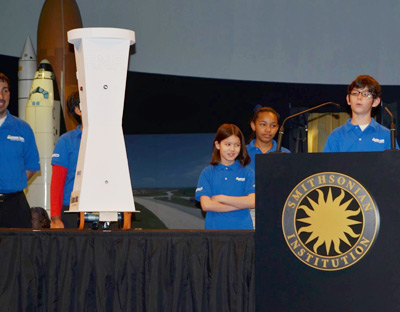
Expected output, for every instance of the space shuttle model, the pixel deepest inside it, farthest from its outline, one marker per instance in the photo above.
(43, 115)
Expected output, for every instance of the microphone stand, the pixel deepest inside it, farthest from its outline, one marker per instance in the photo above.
(282, 129)
(392, 130)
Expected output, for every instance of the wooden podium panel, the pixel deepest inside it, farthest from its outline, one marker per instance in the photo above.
(284, 282)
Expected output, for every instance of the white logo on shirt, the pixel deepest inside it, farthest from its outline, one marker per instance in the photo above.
(15, 138)
(240, 179)
(55, 155)
(199, 189)
(378, 140)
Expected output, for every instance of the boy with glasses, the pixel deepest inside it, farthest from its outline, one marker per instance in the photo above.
(361, 133)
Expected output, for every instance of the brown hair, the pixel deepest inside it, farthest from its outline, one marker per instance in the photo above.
(5, 79)
(223, 132)
(73, 101)
(43, 216)
(363, 81)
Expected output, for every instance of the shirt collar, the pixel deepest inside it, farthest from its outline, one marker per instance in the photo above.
(373, 124)
(8, 122)
(251, 144)
(234, 166)
(272, 149)
(349, 126)
(3, 120)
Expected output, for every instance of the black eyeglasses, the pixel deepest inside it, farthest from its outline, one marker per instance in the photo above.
(363, 93)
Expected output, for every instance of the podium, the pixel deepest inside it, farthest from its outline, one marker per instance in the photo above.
(328, 231)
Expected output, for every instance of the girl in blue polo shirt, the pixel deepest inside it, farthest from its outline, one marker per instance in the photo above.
(226, 188)
(265, 125)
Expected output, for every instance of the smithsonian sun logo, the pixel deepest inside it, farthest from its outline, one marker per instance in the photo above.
(330, 221)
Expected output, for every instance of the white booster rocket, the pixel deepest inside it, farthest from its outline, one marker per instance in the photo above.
(43, 115)
(26, 72)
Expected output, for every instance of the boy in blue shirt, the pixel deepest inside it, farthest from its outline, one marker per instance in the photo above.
(361, 133)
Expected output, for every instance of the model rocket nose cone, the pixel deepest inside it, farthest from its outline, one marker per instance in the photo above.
(28, 53)
(45, 66)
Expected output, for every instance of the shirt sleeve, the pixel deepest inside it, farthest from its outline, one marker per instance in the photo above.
(204, 185)
(31, 154)
(250, 181)
(60, 154)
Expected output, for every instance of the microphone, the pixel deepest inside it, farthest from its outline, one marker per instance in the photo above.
(392, 130)
(282, 129)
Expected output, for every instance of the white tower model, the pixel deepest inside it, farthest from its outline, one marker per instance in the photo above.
(102, 180)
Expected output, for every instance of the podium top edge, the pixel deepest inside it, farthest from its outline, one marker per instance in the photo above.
(101, 33)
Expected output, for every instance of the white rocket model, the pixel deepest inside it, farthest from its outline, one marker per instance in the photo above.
(43, 115)
(26, 72)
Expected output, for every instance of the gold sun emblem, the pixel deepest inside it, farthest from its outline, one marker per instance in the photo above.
(329, 221)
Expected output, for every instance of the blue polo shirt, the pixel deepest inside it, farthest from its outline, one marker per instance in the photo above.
(66, 155)
(233, 180)
(254, 150)
(18, 153)
(350, 138)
